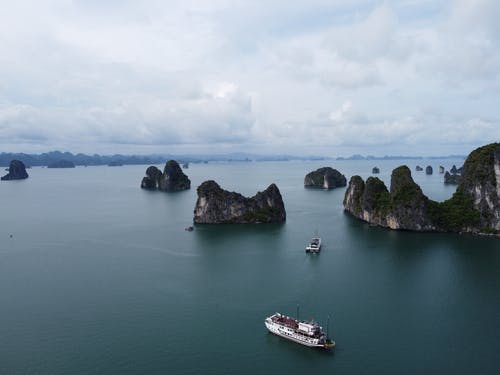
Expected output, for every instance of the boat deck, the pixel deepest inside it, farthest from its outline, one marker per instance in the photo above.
(286, 321)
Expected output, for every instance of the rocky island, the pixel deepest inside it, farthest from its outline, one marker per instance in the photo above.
(325, 178)
(452, 178)
(217, 206)
(455, 170)
(473, 208)
(172, 178)
(61, 164)
(17, 171)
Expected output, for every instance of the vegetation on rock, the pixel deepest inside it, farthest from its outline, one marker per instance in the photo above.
(377, 197)
(474, 207)
(455, 214)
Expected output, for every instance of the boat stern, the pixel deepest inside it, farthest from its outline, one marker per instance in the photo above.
(329, 344)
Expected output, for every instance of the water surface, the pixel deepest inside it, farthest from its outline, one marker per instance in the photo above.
(100, 277)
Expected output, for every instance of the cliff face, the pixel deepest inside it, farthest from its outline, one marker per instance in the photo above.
(367, 201)
(172, 178)
(481, 181)
(17, 171)
(404, 207)
(217, 206)
(475, 206)
(326, 178)
(409, 207)
(151, 181)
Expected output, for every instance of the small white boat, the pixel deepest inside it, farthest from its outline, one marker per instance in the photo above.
(314, 246)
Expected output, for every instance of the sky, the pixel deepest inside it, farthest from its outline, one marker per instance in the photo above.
(315, 77)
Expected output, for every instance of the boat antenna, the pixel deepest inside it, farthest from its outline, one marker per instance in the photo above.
(298, 312)
(328, 327)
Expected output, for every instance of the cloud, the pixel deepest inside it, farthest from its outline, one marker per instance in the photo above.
(349, 127)
(465, 47)
(373, 37)
(220, 117)
(271, 76)
(340, 114)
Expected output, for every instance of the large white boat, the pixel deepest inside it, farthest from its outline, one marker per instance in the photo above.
(314, 246)
(307, 333)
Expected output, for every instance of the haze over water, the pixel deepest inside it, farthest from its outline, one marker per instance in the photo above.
(101, 277)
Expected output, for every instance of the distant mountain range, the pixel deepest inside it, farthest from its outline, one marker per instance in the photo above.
(119, 159)
(399, 157)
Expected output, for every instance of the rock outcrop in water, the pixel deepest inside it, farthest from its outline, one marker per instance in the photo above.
(218, 206)
(452, 179)
(325, 178)
(455, 170)
(152, 178)
(473, 208)
(428, 170)
(172, 178)
(17, 171)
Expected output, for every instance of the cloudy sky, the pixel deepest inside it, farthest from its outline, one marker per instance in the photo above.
(323, 77)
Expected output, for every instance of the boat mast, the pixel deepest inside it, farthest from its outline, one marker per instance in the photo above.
(328, 327)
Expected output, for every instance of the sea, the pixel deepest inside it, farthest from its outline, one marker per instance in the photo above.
(98, 276)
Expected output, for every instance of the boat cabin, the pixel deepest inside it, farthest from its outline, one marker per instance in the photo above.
(309, 329)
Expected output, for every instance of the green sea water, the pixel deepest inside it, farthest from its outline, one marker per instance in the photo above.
(100, 277)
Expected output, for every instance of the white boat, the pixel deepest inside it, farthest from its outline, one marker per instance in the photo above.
(307, 333)
(314, 246)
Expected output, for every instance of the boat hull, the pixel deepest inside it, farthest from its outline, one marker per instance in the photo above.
(312, 250)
